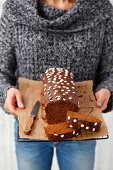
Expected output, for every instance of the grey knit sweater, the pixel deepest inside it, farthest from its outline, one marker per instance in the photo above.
(35, 36)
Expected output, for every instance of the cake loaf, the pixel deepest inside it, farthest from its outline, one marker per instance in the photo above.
(86, 122)
(59, 94)
(61, 131)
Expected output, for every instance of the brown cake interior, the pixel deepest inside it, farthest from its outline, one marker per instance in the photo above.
(61, 131)
(58, 128)
(59, 107)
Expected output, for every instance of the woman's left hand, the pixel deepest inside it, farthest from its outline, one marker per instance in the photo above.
(102, 97)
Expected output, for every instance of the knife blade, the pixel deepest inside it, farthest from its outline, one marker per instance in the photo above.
(31, 118)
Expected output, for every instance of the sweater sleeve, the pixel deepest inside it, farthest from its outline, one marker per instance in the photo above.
(105, 68)
(7, 56)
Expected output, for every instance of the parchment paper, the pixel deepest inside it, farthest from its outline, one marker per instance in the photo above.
(33, 91)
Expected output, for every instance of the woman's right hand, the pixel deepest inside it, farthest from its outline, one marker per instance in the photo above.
(13, 101)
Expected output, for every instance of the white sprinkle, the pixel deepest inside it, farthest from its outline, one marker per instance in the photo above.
(82, 125)
(61, 80)
(48, 75)
(70, 98)
(68, 90)
(62, 136)
(95, 124)
(50, 94)
(62, 90)
(59, 69)
(65, 77)
(73, 87)
(46, 71)
(58, 82)
(53, 82)
(64, 94)
(66, 73)
(74, 120)
(70, 126)
(55, 134)
(51, 100)
(52, 69)
(72, 82)
(68, 117)
(58, 97)
(71, 74)
(77, 134)
(56, 90)
(87, 127)
(45, 85)
(64, 87)
(73, 132)
(67, 83)
(64, 99)
(73, 92)
(93, 129)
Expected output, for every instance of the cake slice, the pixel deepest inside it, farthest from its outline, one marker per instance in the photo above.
(61, 131)
(59, 94)
(86, 122)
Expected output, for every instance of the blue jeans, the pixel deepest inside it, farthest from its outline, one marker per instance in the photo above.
(71, 155)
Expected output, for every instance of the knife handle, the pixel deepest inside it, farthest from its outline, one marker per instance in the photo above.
(29, 125)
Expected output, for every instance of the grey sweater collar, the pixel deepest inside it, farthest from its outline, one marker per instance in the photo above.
(83, 14)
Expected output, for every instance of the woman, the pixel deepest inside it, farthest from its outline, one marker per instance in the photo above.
(36, 35)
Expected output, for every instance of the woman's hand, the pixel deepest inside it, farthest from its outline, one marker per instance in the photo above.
(102, 97)
(13, 101)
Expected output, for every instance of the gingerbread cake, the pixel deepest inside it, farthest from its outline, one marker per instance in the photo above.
(59, 94)
(61, 131)
(86, 122)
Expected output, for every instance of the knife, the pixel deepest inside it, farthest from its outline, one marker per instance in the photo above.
(32, 117)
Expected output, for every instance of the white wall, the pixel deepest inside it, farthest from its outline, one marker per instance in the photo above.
(104, 151)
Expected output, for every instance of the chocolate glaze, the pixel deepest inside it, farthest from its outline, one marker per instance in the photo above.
(59, 94)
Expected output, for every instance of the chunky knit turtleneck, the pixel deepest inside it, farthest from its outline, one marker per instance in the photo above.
(35, 37)
(50, 12)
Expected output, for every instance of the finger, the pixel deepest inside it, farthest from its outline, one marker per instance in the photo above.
(104, 105)
(10, 108)
(19, 100)
(100, 100)
(96, 95)
(99, 104)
